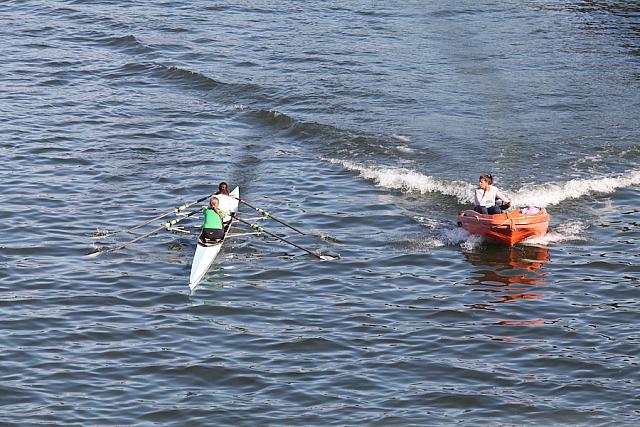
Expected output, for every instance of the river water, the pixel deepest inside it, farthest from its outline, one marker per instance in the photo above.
(364, 123)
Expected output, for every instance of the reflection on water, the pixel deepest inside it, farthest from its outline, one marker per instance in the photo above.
(212, 281)
(507, 273)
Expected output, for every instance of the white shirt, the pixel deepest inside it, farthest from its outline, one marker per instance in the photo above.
(227, 204)
(487, 198)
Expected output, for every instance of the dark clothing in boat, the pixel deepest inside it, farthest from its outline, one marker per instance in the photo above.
(211, 234)
(491, 210)
(212, 228)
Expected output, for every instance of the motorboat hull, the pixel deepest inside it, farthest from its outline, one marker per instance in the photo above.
(506, 228)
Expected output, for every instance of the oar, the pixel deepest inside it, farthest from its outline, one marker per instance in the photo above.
(262, 230)
(175, 210)
(166, 225)
(268, 215)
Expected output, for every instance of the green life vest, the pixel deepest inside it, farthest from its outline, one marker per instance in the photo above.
(212, 219)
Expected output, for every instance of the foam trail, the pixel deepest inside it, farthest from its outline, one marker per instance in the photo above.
(442, 234)
(407, 180)
(532, 195)
(401, 138)
(552, 194)
(573, 231)
(460, 237)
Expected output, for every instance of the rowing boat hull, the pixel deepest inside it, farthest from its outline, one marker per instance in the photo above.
(507, 228)
(202, 260)
(206, 255)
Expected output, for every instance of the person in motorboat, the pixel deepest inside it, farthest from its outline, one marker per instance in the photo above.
(501, 204)
(223, 188)
(212, 227)
(486, 196)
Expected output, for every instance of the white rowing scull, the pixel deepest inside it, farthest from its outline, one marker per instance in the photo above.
(206, 254)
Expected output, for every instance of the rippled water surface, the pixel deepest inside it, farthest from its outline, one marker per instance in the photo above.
(366, 125)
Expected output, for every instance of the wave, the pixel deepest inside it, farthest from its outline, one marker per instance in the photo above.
(533, 195)
(572, 231)
(409, 181)
(255, 101)
(190, 78)
(331, 139)
(458, 236)
(128, 43)
(442, 233)
(183, 75)
(554, 193)
(274, 118)
(401, 138)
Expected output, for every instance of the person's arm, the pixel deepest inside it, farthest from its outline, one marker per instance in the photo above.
(222, 214)
(500, 195)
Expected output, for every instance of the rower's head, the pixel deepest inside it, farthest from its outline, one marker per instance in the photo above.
(485, 181)
(223, 188)
(214, 202)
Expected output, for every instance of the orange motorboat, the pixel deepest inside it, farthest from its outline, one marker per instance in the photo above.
(506, 228)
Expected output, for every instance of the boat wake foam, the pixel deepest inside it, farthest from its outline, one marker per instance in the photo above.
(541, 195)
(460, 237)
(457, 236)
(446, 235)
(408, 181)
(573, 231)
(551, 193)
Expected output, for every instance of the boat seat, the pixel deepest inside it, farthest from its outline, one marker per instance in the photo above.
(208, 242)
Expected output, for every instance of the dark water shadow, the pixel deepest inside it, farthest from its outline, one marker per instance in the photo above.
(507, 274)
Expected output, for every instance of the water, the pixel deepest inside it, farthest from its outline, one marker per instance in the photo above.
(363, 123)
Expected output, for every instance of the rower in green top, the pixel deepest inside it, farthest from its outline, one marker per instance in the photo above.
(212, 228)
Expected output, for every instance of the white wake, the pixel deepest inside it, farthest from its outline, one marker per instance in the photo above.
(541, 195)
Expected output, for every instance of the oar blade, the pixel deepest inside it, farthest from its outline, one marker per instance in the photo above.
(94, 254)
(103, 234)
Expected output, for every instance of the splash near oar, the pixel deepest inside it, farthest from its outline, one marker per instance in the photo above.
(166, 225)
(266, 214)
(142, 224)
(262, 230)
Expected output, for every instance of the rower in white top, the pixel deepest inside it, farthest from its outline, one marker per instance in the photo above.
(228, 203)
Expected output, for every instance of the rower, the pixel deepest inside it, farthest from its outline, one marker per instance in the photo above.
(226, 201)
(223, 188)
(212, 228)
